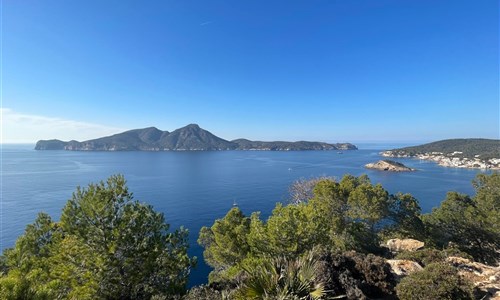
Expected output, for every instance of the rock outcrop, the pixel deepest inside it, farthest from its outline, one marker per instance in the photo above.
(403, 267)
(400, 245)
(485, 278)
(389, 165)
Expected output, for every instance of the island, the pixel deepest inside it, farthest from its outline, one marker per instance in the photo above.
(388, 165)
(188, 138)
(457, 153)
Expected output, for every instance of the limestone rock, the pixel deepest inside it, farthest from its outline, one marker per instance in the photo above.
(399, 245)
(403, 267)
(485, 278)
(388, 165)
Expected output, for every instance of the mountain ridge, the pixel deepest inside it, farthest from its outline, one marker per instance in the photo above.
(188, 138)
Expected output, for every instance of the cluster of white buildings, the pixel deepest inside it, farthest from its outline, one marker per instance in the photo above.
(450, 160)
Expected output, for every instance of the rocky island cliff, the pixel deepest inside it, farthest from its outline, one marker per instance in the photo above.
(188, 138)
(457, 153)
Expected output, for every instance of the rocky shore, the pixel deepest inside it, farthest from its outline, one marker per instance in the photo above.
(453, 159)
(388, 165)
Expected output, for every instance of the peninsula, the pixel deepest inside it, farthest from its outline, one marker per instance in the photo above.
(188, 138)
(457, 153)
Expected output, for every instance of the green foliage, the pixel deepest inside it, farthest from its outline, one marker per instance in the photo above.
(288, 232)
(27, 267)
(283, 278)
(356, 275)
(109, 246)
(488, 200)
(345, 215)
(404, 217)
(368, 204)
(106, 246)
(470, 224)
(205, 292)
(356, 213)
(302, 190)
(436, 281)
(226, 244)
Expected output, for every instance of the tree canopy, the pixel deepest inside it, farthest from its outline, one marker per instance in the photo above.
(351, 214)
(328, 218)
(107, 245)
(321, 245)
(472, 224)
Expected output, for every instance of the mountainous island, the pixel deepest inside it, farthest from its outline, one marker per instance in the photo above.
(458, 153)
(188, 138)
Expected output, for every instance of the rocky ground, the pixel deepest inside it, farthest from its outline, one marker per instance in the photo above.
(486, 279)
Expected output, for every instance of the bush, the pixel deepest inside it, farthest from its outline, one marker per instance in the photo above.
(435, 281)
(357, 276)
(283, 278)
(204, 292)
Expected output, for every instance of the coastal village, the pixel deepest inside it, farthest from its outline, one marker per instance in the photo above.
(453, 159)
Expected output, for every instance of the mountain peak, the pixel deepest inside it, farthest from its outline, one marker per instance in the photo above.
(189, 137)
(193, 126)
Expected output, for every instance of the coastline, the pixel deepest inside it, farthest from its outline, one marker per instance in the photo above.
(450, 160)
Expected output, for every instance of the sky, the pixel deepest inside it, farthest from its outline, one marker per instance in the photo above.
(333, 70)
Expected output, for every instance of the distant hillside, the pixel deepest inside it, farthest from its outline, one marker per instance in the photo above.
(485, 148)
(244, 144)
(137, 139)
(458, 153)
(190, 137)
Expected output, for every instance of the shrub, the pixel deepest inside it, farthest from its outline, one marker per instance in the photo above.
(435, 281)
(205, 292)
(283, 278)
(357, 276)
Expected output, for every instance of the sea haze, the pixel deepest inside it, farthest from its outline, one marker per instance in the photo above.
(195, 188)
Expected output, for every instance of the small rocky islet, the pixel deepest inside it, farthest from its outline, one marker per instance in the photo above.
(389, 165)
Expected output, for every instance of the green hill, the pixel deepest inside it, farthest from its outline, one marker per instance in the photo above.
(469, 148)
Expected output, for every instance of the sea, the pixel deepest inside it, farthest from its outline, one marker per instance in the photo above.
(194, 188)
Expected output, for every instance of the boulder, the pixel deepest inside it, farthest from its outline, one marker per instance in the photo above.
(403, 267)
(485, 278)
(399, 245)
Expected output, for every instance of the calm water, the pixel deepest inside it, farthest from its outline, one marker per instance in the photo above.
(195, 188)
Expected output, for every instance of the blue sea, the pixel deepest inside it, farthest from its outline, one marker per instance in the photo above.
(195, 188)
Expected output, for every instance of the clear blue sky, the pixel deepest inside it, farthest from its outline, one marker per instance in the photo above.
(372, 70)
